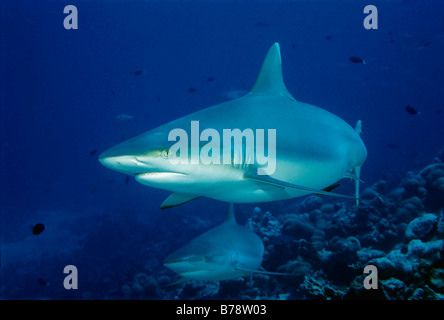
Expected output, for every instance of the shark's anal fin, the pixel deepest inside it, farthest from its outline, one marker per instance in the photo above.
(284, 184)
(176, 199)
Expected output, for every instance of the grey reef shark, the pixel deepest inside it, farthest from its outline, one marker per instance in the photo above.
(227, 251)
(263, 146)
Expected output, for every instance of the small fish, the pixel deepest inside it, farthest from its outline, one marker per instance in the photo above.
(38, 228)
(393, 146)
(126, 179)
(262, 25)
(392, 36)
(191, 90)
(356, 60)
(138, 72)
(411, 110)
(124, 117)
(210, 79)
(328, 37)
(42, 282)
(93, 152)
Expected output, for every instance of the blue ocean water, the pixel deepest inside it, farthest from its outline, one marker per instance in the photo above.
(62, 92)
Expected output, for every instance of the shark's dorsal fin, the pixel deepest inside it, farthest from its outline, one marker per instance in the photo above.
(270, 80)
(230, 213)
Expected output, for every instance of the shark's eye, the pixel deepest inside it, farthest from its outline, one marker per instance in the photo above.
(165, 153)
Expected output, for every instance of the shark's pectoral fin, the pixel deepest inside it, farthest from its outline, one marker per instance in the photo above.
(283, 184)
(264, 272)
(267, 187)
(175, 283)
(176, 199)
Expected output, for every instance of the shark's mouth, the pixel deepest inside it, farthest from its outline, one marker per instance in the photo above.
(154, 175)
(159, 172)
(144, 165)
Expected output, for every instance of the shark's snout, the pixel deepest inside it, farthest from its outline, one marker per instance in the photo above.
(137, 155)
(112, 162)
(128, 164)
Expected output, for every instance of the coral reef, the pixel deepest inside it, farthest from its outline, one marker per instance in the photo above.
(142, 286)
